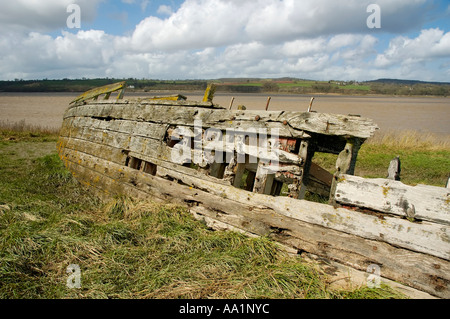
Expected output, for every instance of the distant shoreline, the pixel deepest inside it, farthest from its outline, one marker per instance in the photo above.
(290, 86)
(198, 92)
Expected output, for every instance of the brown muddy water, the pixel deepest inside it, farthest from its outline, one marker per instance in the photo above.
(422, 114)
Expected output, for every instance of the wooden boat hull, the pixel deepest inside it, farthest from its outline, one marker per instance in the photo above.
(127, 147)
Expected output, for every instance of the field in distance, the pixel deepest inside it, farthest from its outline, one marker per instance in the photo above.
(239, 85)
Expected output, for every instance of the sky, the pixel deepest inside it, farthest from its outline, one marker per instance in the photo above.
(210, 39)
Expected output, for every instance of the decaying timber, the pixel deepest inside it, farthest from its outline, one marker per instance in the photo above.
(131, 147)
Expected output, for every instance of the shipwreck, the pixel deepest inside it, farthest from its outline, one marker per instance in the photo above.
(249, 171)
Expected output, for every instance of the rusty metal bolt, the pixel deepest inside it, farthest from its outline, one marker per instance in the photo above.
(285, 122)
(257, 118)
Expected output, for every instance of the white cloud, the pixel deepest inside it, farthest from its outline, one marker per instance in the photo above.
(197, 24)
(289, 19)
(95, 53)
(319, 39)
(164, 10)
(41, 16)
(304, 47)
(203, 23)
(430, 44)
(70, 55)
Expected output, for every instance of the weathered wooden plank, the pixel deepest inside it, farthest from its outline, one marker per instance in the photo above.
(164, 167)
(321, 174)
(209, 93)
(332, 124)
(345, 163)
(146, 129)
(176, 97)
(429, 203)
(297, 189)
(322, 123)
(99, 132)
(417, 270)
(124, 141)
(263, 180)
(106, 145)
(317, 187)
(341, 276)
(66, 144)
(426, 238)
(88, 153)
(176, 115)
(319, 180)
(94, 93)
(150, 101)
(265, 152)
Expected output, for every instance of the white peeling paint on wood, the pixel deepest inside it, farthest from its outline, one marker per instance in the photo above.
(424, 202)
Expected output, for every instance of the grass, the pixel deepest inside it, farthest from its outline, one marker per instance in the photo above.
(425, 158)
(306, 84)
(19, 131)
(126, 248)
(355, 87)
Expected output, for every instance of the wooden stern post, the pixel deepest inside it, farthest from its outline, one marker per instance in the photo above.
(306, 152)
(345, 163)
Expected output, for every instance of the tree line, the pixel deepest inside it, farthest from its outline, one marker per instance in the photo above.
(384, 87)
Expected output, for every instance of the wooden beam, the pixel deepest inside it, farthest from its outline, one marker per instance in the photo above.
(423, 202)
(263, 179)
(209, 93)
(268, 102)
(345, 163)
(321, 174)
(231, 103)
(298, 188)
(394, 169)
(94, 93)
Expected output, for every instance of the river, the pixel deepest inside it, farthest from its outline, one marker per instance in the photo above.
(422, 114)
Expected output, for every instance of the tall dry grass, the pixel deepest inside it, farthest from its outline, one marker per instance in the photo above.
(409, 139)
(23, 126)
